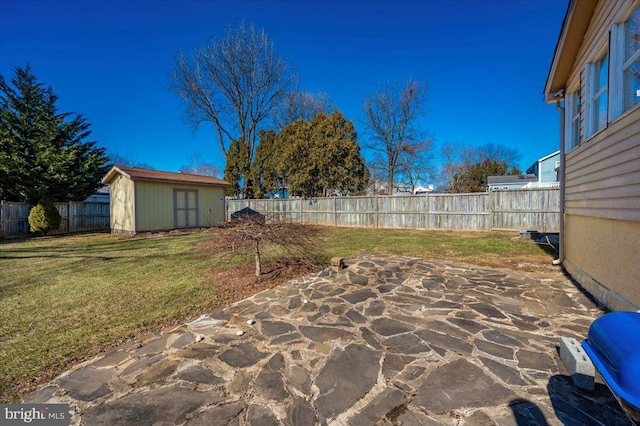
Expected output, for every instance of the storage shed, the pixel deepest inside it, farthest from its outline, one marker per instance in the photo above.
(145, 200)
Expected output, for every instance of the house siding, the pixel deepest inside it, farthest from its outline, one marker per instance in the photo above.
(603, 175)
(155, 205)
(121, 208)
(547, 171)
(602, 187)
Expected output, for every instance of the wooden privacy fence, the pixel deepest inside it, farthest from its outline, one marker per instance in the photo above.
(76, 217)
(526, 209)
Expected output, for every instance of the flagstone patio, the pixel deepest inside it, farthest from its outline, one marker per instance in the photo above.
(389, 340)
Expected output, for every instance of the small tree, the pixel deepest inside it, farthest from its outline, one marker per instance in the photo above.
(252, 233)
(44, 217)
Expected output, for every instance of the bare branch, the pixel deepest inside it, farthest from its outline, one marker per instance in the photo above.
(234, 82)
(391, 115)
(255, 233)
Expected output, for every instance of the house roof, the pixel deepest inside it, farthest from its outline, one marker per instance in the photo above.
(493, 180)
(553, 154)
(574, 27)
(539, 160)
(137, 173)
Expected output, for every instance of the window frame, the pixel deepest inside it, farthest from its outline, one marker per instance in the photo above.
(596, 90)
(625, 62)
(573, 103)
(618, 64)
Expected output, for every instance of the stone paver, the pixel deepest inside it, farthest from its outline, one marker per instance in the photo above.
(389, 340)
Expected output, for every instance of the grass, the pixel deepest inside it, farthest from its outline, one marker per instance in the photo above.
(494, 249)
(65, 299)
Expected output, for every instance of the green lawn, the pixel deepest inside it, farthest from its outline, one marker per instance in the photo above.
(64, 299)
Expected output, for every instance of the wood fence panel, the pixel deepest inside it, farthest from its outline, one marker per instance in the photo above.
(527, 209)
(319, 211)
(14, 219)
(460, 212)
(75, 217)
(356, 211)
(404, 211)
(509, 210)
(88, 216)
(63, 209)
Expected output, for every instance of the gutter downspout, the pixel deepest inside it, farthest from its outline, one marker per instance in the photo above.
(560, 258)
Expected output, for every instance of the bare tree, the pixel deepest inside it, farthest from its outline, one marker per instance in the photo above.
(460, 161)
(128, 159)
(415, 162)
(455, 157)
(252, 233)
(234, 82)
(391, 115)
(197, 166)
(300, 106)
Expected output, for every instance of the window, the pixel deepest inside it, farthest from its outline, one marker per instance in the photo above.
(572, 114)
(600, 87)
(631, 61)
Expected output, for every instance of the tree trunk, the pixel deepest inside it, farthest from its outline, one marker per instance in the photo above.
(257, 255)
(390, 181)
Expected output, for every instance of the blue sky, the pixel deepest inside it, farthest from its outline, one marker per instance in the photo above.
(485, 63)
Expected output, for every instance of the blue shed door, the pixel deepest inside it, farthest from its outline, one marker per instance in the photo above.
(185, 208)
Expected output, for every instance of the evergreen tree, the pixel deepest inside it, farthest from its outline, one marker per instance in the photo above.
(321, 157)
(267, 170)
(237, 162)
(43, 153)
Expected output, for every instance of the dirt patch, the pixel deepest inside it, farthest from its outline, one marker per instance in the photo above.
(239, 282)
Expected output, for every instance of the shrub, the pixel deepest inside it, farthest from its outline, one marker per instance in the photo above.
(44, 218)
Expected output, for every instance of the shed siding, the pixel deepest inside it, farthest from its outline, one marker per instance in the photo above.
(155, 205)
(121, 208)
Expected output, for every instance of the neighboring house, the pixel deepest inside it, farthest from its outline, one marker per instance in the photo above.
(594, 80)
(379, 187)
(546, 169)
(144, 200)
(100, 196)
(421, 190)
(510, 181)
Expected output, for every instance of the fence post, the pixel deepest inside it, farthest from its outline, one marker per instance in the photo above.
(491, 208)
(426, 212)
(3, 218)
(72, 224)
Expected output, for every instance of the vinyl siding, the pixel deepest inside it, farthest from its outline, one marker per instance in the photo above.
(602, 184)
(547, 171)
(603, 172)
(603, 175)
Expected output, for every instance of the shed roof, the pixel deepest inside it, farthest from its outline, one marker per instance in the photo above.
(137, 173)
(574, 27)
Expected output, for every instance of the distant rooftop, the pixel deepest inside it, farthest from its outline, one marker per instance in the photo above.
(512, 179)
